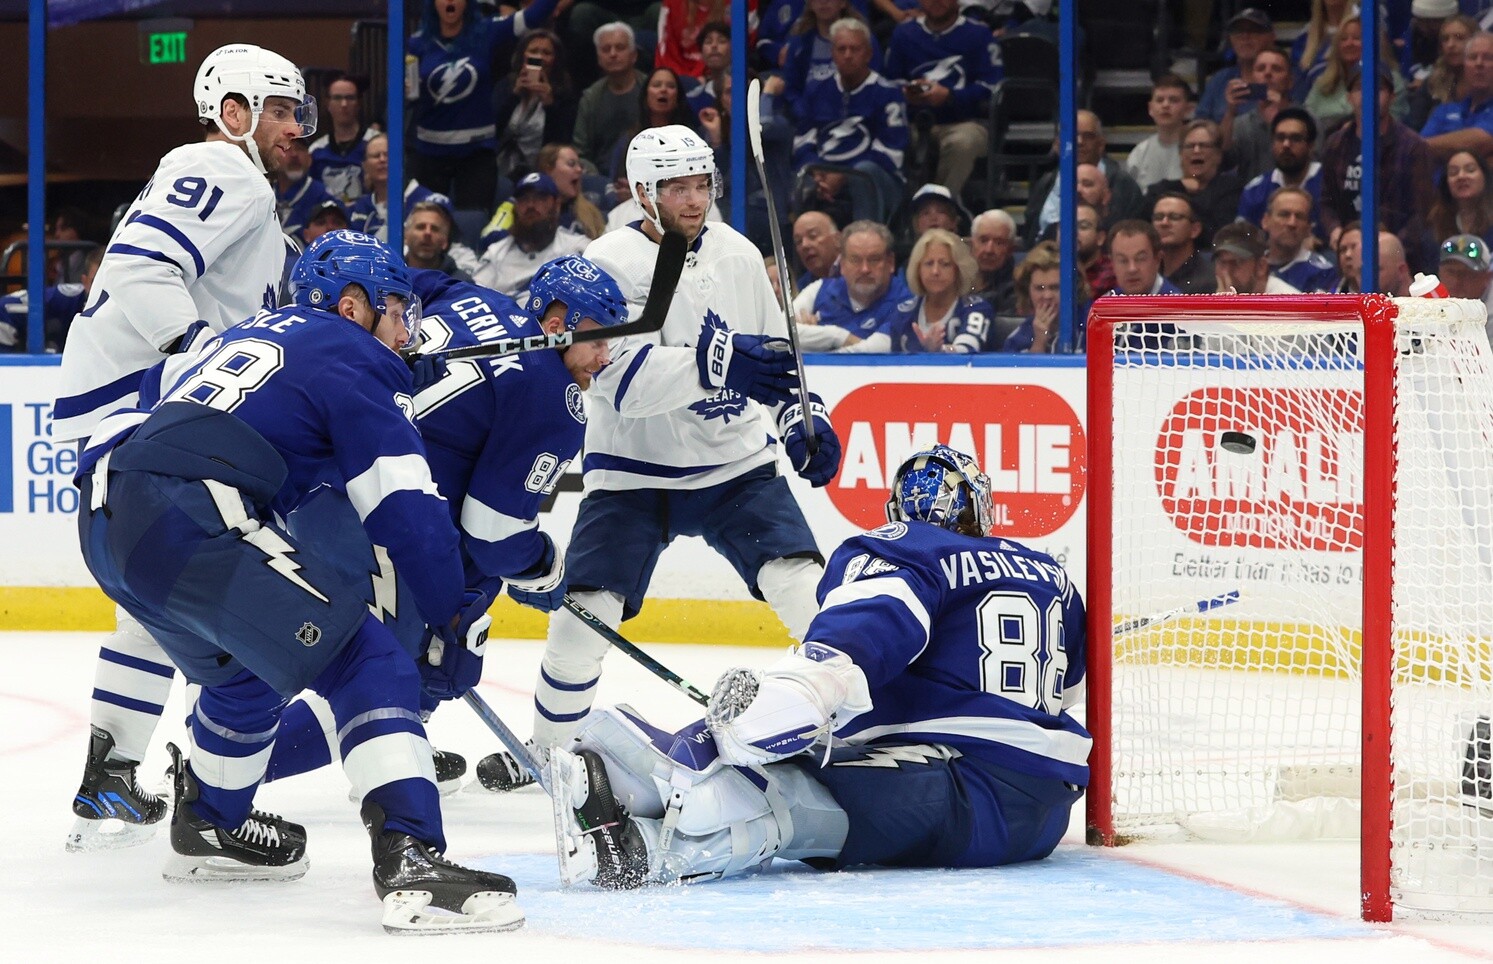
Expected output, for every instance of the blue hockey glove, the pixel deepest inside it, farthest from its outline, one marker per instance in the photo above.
(452, 663)
(820, 467)
(757, 366)
(427, 370)
(542, 585)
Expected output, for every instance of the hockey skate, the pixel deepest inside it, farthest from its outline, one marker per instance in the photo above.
(449, 769)
(113, 811)
(501, 773)
(424, 893)
(612, 848)
(263, 847)
(1477, 767)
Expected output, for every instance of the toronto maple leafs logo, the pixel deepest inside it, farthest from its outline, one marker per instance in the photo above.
(724, 404)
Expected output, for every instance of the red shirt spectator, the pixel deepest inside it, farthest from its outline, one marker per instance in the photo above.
(679, 25)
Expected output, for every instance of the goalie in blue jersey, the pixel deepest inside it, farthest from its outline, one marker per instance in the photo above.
(180, 527)
(922, 723)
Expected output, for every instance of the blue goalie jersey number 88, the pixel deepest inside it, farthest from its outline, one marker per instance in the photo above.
(1023, 659)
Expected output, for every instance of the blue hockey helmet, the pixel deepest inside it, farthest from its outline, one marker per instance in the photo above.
(943, 486)
(341, 258)
(584, 287)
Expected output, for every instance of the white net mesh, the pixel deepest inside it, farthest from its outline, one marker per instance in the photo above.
(1238, 451)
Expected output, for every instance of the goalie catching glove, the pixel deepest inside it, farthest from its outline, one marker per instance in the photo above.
(452, 663)
(542, 585)
(762, 717)
(757, 366)
(795, 430)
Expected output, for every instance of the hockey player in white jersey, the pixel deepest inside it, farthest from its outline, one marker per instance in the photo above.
(201, 243)
(676, 442)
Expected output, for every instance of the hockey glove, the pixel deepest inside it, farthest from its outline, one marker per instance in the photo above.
(542, 585)
(820, 467)
(452, 663)
(759, 718)
(426, 370)
(757, 366)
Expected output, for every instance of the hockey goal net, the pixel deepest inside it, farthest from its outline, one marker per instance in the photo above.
(1290, 581)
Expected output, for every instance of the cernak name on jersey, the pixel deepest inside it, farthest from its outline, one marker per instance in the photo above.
(971, 566)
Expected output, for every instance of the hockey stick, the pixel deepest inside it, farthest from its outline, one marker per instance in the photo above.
(505, 736)
(666, 270)
(621, 642)
(754, 133)
(1190, 609)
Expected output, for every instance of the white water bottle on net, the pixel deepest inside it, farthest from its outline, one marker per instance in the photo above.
(1330, 460)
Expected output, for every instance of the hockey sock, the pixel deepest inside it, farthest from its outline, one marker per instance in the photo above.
(130, 686)
(571, 667)
(233, 730)
(789, 587)
(308, 736)
(374, 690)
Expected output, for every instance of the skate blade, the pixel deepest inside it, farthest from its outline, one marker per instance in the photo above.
(408, 912)
(184, 868)
(91, 836)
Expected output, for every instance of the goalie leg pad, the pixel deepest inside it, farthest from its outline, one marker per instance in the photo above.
(571, 668)
(759, 718)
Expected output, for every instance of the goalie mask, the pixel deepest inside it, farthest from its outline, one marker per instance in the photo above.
(256, 75)
(341, 258)
(584, 287)
(945, 487)
(661, 153)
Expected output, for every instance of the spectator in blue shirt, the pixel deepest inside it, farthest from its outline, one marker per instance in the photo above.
(1288, 225)
(1293, 132)
(1466, 124)
(856, 119)
(1038, 288)
(60, 303)
(949, 67)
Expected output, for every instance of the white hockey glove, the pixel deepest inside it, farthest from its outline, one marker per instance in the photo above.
(761, 717)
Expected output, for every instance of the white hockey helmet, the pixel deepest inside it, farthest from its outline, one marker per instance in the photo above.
(660, 153)
(255, 74)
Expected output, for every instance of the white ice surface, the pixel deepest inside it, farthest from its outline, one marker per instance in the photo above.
(1143, 903)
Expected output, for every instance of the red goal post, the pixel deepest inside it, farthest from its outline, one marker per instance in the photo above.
(1256, 444)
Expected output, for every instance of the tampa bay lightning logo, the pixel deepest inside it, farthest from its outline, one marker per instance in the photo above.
(844, 140)
(451, 82)
(573, 403)
(892, 530)
(949, 71)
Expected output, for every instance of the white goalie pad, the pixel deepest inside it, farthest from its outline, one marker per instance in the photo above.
(575, 848)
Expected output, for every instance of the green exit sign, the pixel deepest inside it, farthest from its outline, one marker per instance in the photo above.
(163, 40)
(166, 48)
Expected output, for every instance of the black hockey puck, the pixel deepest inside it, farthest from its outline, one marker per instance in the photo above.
(1237, 442)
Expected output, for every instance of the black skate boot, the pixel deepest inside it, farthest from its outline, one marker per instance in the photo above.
(263, 847)
(621, 853)
(424, 893)
(449, 769)
(1477, 767)
(113, 810)
(500, 773)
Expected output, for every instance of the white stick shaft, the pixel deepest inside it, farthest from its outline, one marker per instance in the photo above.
(1201, 606)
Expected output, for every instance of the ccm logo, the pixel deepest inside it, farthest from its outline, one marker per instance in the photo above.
(1301, 487)
(1027, 438)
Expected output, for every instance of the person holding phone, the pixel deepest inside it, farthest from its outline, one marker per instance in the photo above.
(536, 103)
(1251, 105)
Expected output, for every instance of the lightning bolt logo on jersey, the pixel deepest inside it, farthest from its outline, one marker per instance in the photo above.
(964, 58)
(452, 82)
(844, 127)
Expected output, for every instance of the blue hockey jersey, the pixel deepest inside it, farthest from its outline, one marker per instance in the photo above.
(295, 204)
(58, 306)
(969, 329)
(339, 167)
(454, 111)
(964, 58)
(335, 404)
(836, 126)
(500, 432)
(976, 643)
(832, 305)
(369, 217)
